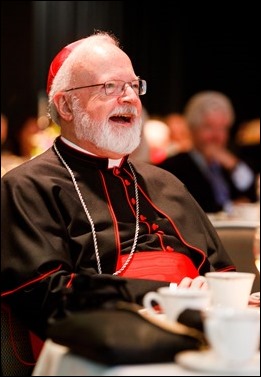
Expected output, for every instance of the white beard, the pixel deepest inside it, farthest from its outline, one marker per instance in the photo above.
(115, 138)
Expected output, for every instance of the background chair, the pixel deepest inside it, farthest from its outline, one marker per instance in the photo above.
(19, 347)
(238, 242)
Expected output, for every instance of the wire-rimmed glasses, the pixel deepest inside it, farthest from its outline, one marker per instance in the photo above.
(117, 87)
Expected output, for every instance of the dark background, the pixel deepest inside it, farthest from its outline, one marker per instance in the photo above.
(179, 49)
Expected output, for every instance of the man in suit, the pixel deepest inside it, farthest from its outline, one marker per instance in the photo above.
(213, 174)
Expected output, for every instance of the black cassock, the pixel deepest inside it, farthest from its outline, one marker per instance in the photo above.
(47, 237)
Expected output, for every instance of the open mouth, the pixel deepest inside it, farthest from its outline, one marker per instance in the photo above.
(122, 119)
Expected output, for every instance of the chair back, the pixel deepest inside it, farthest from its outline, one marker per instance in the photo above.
(18, 356)
(238, 242)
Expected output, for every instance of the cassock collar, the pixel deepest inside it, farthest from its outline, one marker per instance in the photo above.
(73, 151)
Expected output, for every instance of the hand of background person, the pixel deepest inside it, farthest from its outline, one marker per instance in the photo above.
(221, 155)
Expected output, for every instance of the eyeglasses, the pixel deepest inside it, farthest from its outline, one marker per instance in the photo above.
(117, 87)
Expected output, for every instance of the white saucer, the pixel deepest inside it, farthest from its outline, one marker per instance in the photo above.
(206, 361)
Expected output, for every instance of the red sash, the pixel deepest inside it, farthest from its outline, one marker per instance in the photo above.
(159, 265)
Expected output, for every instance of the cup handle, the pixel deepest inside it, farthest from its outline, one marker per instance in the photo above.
(148, 300)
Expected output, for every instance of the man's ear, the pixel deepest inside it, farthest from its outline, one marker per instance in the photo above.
(63, 105)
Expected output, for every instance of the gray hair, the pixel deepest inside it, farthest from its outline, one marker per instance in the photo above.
(207, 102)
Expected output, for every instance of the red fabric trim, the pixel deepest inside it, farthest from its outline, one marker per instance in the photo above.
(159, 265)
(41, 277)
(37, 344)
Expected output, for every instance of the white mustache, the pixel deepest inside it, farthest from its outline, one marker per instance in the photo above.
(123, 110)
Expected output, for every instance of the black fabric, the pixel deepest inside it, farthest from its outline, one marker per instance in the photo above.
(192, 318)
(114, 330)
(92, 291)
(120, 336)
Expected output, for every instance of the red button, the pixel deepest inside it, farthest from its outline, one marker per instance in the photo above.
(154, 226)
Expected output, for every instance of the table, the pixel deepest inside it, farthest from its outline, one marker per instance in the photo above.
(235, 224)
(56, 360)
(244, 215)
(226, 222)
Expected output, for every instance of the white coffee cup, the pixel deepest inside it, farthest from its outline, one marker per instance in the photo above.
(230, 289)
(233, 334)
(173, 302)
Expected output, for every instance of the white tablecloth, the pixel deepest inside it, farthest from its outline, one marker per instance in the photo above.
(55, 360)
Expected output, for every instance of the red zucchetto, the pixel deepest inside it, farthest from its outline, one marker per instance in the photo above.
(58, 61)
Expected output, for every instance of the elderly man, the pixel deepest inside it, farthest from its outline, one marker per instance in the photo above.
(84, 206)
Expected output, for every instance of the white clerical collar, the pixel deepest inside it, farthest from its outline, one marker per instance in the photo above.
(111, 162)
